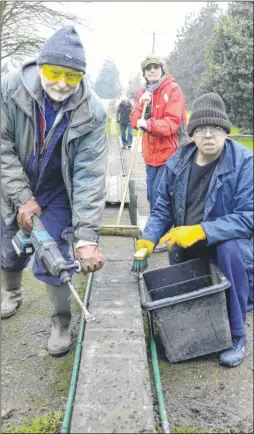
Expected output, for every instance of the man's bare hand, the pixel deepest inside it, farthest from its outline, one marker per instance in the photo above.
(90, 257)
(141, 123)
(25, 214)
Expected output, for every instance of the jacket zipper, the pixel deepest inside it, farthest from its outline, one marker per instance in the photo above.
(63, 156)
(63, 162)
(47, 141)
(44, 125)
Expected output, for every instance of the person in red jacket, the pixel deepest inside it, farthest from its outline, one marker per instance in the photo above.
(164, 124)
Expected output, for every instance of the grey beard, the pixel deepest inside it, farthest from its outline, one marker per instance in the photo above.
(52, 92)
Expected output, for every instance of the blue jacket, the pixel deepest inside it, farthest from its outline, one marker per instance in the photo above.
(228, 212)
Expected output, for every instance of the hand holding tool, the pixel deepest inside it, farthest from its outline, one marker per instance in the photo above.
(25, 213)
(48, 253)
(144, 249)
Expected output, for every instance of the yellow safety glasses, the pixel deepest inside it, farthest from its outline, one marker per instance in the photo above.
(56, 73)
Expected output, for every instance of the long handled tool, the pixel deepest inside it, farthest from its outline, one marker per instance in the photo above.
(117, 229)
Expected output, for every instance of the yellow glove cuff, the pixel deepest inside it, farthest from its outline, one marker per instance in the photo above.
(199, 232)
(149, 245)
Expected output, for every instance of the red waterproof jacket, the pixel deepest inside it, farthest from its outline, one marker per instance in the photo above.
(160, 141)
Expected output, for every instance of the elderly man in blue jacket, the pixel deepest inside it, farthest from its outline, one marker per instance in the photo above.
(53, 164)
(206, 193)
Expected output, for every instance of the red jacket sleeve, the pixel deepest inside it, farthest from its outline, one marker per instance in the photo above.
(137, 110)
(174, 115)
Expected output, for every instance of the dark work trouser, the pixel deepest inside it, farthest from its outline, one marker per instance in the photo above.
(228, 258)
(153, 177)
(123, 128)
(55, 219)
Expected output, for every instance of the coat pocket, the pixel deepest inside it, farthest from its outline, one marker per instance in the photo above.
(8, 211)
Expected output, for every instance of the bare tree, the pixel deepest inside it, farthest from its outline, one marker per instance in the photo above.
(21, 22)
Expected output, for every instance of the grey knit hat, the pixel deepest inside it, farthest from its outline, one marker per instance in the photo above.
(64, 48)
(209, 109)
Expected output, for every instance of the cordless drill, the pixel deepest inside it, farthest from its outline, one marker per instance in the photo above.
(39, 241)
(46, 248)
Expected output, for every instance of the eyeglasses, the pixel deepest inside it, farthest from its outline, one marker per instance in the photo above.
(56, 73)
(152, 66)
(214, 131)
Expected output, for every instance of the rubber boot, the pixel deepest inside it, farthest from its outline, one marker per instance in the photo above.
(59, 342)
(11, 281)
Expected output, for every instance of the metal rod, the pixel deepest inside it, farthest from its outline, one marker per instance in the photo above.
(153, 47)
(88, 316)
(75, 371)
(156, 369)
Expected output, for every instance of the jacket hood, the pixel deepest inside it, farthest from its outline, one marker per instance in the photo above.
(31, 80)
(168, 80)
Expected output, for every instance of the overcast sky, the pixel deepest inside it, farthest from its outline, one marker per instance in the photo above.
(123, 31)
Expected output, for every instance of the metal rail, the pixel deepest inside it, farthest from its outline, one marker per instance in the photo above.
(121, 158)
(75, 371)
(244, 136)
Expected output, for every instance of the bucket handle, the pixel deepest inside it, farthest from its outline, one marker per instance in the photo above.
(152, 305)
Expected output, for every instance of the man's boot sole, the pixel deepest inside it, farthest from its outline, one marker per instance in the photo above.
(233, 365)
(59, 354)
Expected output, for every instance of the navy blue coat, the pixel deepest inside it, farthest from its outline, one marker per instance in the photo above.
(228, 212)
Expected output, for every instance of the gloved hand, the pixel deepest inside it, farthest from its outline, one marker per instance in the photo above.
(184, 236)
(141, 123)
(90, 258)
(149, 245)
(26, 212)
(145, 97)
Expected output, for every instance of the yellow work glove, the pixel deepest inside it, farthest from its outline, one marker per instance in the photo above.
(145, 244)
(184, 236)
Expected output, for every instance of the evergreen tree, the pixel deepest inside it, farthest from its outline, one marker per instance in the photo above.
(108, 85)
(187, 62)
(230, 63)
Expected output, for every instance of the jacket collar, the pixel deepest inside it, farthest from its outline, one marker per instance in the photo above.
(226, 161)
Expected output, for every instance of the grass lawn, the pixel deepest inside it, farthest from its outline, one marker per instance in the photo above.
(248, 142)
(134, 132)
(188, 113)
(108, 127)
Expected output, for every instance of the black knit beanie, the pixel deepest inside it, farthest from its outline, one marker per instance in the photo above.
(209, 109)
(64, 48)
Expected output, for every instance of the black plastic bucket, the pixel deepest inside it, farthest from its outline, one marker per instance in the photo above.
(189, 308)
